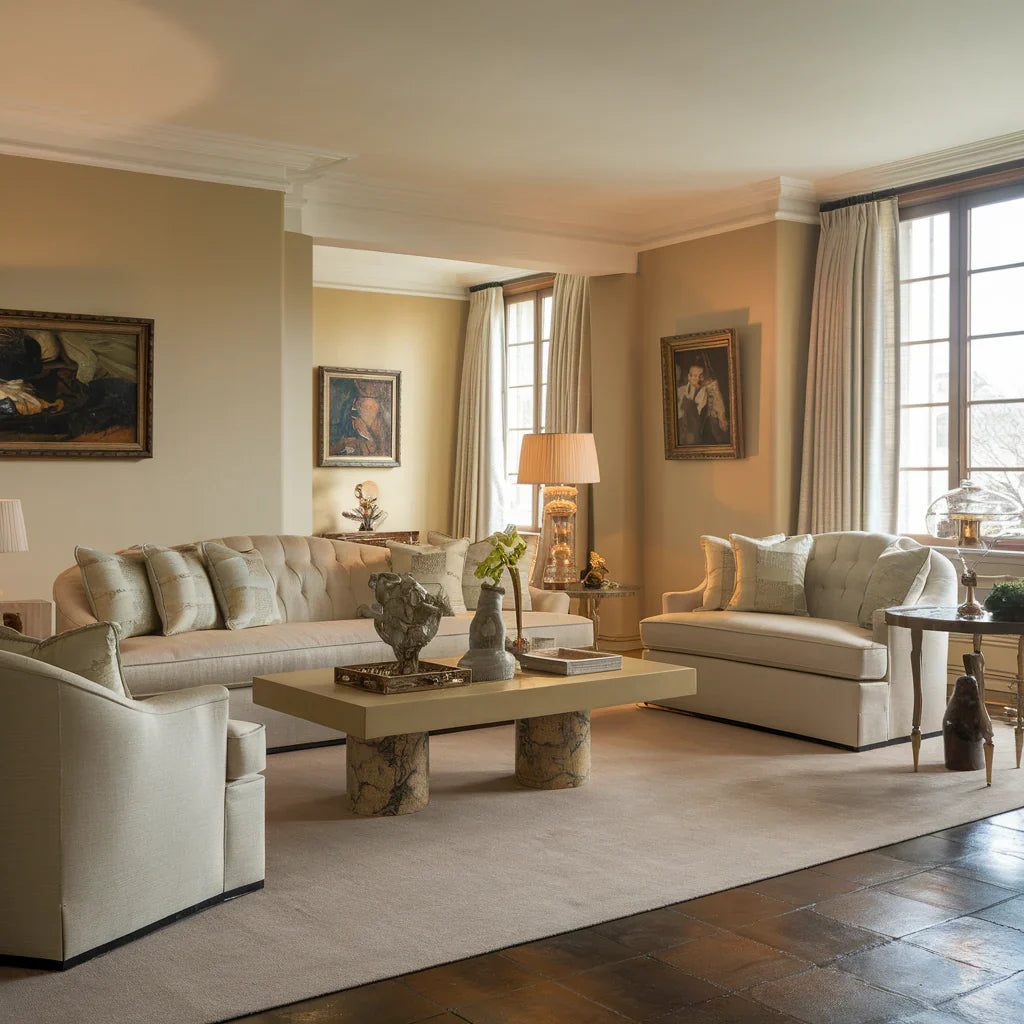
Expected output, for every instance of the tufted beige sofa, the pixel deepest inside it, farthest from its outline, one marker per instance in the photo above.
(320, 585)
(821, 676)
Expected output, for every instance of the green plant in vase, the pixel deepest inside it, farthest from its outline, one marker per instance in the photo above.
(507, 547)
(1006, 601)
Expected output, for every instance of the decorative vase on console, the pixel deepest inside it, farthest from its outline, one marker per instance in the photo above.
(487, 657)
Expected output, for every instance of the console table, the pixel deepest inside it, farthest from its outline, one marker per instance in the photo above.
(377, 538)
(945, 620)
(591, 597)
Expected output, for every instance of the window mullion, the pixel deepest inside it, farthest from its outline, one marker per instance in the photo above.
(958, 354)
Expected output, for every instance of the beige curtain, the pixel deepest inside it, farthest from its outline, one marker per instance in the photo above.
(480, 448)
(849, 476)
(568, 406)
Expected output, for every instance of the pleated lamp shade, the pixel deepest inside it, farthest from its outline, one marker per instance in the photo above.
(558, 459)
(12, 526)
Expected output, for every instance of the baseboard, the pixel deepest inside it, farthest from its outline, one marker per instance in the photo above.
(791, 735)
(41, 963)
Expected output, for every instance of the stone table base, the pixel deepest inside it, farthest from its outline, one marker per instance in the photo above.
(388, 776)
(553, 751)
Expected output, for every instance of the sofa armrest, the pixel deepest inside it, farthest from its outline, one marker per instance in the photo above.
(549, 601)
(682, 600)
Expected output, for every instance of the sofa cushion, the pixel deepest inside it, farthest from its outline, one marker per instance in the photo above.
(118, 590)
(476, 553)
(897, 578)
(247, 749)
(435, 567)
(823, 646)
(720, 570)
(246, 592)
(182, 590)
(838, 572)
(770, 574)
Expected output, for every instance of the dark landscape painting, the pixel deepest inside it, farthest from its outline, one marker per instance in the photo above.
(75, 385)
(359, 417)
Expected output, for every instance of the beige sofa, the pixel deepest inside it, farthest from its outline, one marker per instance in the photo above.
(320, 585)
(819, 676)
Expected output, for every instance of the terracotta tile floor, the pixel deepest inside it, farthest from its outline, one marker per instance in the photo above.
(930, 931)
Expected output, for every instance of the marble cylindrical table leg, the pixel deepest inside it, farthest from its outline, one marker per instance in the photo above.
(553, 751)
(389, 775)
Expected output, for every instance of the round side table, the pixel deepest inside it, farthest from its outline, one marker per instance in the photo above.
(945, 620)
(591, 598)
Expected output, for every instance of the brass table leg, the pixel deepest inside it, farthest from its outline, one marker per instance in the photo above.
(915, 667)
(589, 609)
(974, 664)
(1018, 732)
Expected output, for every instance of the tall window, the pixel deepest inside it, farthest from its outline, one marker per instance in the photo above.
(961, 348)
(527, 344)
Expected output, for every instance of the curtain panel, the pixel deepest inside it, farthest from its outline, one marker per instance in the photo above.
(479, 503)
(568, 406)
(849, 473)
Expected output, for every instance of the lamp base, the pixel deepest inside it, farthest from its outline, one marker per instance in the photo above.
(559, 537)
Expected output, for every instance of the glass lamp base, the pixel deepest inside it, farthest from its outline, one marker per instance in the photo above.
(560, 537)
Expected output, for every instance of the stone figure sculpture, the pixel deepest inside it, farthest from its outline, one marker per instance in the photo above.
(405, 615)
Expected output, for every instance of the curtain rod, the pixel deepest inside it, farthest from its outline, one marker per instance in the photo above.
(489, 284)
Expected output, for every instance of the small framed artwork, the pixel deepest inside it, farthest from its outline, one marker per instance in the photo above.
(74, 385)
(700, 384)
(359, 417)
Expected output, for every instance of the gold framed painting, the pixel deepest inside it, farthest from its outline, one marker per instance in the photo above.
(359, 418)
(701, 397)
(74, 385)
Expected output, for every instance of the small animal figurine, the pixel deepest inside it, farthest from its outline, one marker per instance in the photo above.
(405, 615)
(596, 573)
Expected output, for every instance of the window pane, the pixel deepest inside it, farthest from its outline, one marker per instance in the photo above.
(997, 367)
(924, 246)
(545, 352)
(997, 301)
(1007, 482)
(546, 305)
(520, 408)
(520, 365)
(997, 234)
(924, 437)
(519, 504)
(543, 408)
(924, 373)
(918, 489)
(997, 435)
(924, 310)
(520, 322)
(512, 445)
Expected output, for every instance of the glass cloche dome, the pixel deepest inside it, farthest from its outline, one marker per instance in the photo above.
(972, 516)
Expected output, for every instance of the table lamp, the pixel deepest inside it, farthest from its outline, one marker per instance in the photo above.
(558, 461)
(12, 527)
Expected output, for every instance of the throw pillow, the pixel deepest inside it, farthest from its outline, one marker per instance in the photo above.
(476, 553)
(117, 587)
(435, 567)
(182, 590)
(720, 571)
(898, 577)
(92, 652)
(244, 588)
(770, 574)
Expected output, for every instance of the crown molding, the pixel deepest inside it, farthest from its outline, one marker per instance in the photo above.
(169, 150)
(456, 292)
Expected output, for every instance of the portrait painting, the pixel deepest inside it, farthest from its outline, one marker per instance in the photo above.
(75, 385)
(359, 417)
(701, 396)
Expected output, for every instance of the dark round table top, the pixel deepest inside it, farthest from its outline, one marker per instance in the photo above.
(946, 620)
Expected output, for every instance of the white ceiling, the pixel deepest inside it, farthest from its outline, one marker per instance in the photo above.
(619, 123)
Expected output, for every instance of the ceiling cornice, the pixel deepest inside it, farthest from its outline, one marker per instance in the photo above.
(432, 292)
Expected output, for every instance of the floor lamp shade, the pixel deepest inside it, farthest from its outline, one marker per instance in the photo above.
(12, 526)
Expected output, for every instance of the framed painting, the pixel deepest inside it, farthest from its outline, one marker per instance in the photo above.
(700, 385)
(359, 417)
(75, 385)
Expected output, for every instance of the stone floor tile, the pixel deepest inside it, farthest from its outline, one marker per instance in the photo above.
(974, 834)
(726, 1010)
(1002, 1003)
(933, 1017)
(657, 929)
(383, 1002)
(882, 912)
(986, 836)
(568, 953)
(809, 936)
(1010, 914)
(998, 868)
(826, 996)
(733, 908)
(868, 868)
(803, 888)
(944, 888)
(546, 1003)
(641, 988)
(916, 972)
(466, 981)
(1011, 819)
(925, 850)
(733, 961)
(980, 943)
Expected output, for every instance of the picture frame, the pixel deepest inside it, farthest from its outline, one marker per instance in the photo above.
(701, 396)
(359, 417)
(75, 385)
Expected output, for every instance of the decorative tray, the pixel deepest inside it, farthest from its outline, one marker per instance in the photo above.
(382, 677)
(568, 661)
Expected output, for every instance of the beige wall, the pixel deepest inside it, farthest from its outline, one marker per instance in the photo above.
(205, 262)
(422, 337)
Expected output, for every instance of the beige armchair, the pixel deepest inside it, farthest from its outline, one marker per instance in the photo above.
(118, 816)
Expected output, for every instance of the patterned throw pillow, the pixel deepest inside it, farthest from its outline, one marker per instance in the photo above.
(435, 567)
(720, 571)
(897, 578)
(182, 590)
(770, 574)
(244, 589)
(476, 553)
(92, 652)
(117, 587)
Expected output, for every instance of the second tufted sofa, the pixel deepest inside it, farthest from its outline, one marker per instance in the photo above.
(821, 676)
(320, 585)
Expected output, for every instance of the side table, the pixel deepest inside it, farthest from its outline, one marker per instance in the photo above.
(36, 616)
(945, 620)
(591, 598)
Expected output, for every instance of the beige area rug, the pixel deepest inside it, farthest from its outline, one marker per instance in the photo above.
(678, 807)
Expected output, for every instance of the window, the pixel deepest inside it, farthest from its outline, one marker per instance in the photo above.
(527, 344)
(961, 348)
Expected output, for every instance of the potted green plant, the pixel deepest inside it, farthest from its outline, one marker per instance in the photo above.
(507, 547)
(1006, 601)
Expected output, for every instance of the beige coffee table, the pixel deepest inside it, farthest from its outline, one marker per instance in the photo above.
(388, 752)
